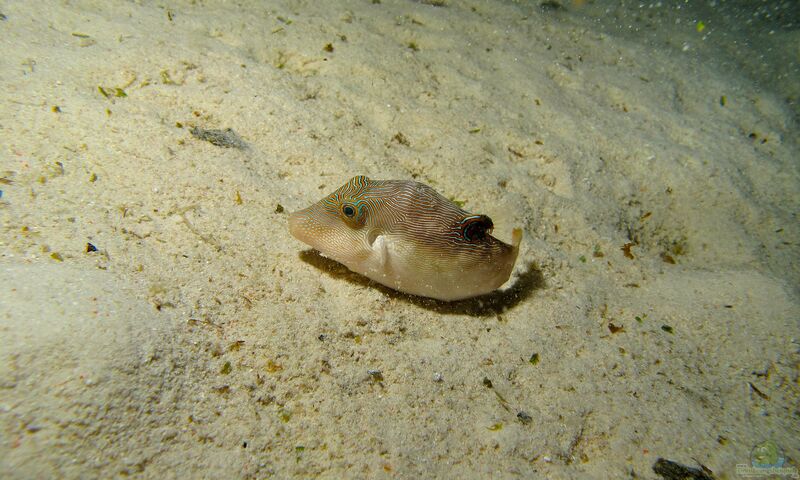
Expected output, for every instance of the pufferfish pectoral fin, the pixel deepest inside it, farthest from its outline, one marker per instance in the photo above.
(380, 250)
(378, 258)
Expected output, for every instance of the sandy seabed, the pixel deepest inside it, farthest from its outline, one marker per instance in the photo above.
(158, 321)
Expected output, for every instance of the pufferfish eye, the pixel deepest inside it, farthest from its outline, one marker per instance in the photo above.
(349, 210)
(353, 214)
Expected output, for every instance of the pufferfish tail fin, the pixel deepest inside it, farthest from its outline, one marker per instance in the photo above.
(516, 239)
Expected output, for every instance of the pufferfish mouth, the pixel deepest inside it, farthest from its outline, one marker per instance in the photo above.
(316, 230)
(297, 221)
(304, 226)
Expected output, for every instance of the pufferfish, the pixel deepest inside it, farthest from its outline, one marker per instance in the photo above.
(405, 235)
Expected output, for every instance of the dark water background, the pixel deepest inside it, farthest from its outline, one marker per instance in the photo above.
(757, 39)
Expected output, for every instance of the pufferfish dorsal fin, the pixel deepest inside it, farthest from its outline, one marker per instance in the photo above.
(474, 228)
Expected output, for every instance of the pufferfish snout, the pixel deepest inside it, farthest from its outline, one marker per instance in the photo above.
(405, 235)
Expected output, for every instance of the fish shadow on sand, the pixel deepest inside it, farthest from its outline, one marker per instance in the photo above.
(494, 303)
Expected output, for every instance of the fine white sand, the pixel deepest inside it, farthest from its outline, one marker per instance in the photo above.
(201, 340)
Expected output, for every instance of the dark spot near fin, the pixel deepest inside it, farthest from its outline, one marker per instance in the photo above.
(475, 227)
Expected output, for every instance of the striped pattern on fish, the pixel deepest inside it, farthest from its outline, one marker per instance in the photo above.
(407, 236)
